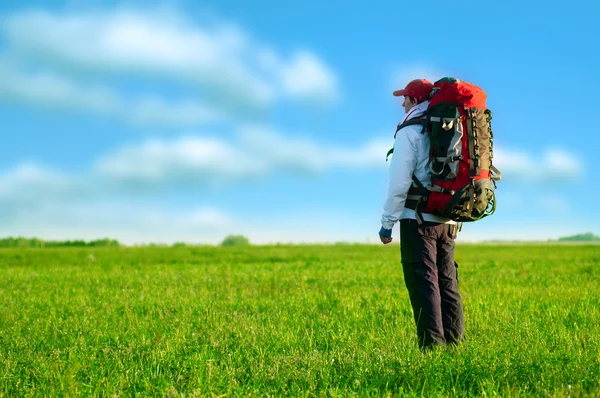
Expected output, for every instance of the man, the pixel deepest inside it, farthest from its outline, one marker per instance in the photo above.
(427, 250)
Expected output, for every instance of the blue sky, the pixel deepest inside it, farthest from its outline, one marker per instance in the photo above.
(188, 121)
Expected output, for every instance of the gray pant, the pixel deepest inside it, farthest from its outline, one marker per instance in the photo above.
(431, 277)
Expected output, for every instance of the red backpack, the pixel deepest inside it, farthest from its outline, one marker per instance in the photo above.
(463, 178)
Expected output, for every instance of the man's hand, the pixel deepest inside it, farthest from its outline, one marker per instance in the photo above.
(384, 240)
(385, 235)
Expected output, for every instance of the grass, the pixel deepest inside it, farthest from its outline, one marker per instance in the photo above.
(297, 320)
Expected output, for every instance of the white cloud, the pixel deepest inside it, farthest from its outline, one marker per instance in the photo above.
(550, 165)
(182, 159)
(30, 187)
(302, 154)
(255, 153)
(512, 161)
(32, 181)
(208, 217)
(304, 76)
(562, 165)
(219, 57)
(49, 90)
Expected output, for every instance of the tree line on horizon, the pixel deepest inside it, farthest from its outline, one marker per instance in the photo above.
(587, 237)
(21, 242)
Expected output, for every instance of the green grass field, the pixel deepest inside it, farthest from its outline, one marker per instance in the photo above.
(292, 320)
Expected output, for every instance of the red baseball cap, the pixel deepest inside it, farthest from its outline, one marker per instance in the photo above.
(419, 89)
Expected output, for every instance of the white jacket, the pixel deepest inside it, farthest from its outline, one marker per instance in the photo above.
(411, 155)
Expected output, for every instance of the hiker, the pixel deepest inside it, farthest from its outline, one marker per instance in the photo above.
(427, 245)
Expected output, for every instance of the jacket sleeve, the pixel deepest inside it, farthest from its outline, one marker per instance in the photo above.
(402, 166)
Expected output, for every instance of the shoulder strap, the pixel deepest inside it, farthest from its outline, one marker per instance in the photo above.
(417, 182)
(424, 121)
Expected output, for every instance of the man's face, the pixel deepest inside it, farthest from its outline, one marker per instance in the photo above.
(408, 103)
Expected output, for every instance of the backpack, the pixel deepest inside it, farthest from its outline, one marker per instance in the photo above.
(463, 178)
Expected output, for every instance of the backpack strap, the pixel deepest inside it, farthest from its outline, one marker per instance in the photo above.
(472, 137)
(497, 176)
(418, 183)
(423, 121)
(416, 198)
